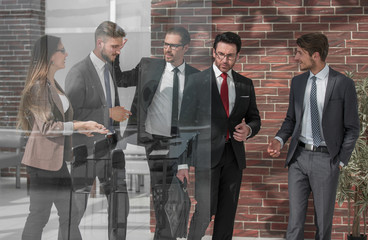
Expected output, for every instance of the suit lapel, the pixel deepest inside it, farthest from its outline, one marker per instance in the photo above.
(330, 85)
(187, 73)
(112, 73)
(154, 75)
(95, 80)
(299, 95)
(238, 90)
(56, 99)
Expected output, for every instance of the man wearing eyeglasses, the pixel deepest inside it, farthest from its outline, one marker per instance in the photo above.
(233, 118)
(155, 110)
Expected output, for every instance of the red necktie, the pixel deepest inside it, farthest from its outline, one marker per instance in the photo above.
(224, 92)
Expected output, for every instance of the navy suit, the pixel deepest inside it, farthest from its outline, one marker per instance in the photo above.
(219, 163)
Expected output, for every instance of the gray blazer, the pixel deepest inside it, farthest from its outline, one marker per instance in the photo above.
(340, 120)
(84, 89)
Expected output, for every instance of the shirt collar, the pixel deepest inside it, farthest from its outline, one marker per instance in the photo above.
(323, 74)
(171, 67)
(218, 72)
(98, 63)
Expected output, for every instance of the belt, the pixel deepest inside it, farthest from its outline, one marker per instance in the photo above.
(312, 148)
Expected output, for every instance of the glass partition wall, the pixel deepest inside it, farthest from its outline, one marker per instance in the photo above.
(139, 199)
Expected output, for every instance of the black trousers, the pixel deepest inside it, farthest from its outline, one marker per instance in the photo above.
(48, 188)
(115, 190)
(219, 186)
(161, 173)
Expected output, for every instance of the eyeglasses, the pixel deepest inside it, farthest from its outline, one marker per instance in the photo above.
(173, 46)
(229, 57)
(63, 51)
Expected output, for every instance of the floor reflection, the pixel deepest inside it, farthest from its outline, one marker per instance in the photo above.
(14, 204)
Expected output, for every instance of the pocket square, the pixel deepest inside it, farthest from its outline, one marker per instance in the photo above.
(244, 96)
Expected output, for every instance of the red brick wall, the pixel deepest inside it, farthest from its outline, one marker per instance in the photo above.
(21, 23)
(268, 29)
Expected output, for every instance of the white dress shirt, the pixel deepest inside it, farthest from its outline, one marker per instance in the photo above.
(100, 68)
(68, 126)
(306, 135)
(230, 85)
(158, 119)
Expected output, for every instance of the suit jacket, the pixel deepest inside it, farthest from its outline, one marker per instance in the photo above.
(47, 147)
(203, 110)
(84, 89)
(340, 121)
(148, 73)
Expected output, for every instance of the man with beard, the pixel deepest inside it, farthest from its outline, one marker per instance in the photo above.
(92, 89)
(322, 121)
(155, 113)
(223, 99)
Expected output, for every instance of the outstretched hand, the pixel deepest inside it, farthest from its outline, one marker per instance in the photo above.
(89, 127)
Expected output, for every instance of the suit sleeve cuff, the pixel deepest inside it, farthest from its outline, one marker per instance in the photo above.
(280, 140)
(182, 166)
(68, 128)
(250, 131)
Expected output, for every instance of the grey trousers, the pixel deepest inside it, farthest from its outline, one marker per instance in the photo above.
(311, 172)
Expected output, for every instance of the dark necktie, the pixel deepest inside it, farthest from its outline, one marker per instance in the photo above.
(316, 132)
(224, 92)
(175, 103)
(108, 90)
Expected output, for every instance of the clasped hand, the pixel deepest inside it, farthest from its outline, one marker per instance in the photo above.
(241, 131)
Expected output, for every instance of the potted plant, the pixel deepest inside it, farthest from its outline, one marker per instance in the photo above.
(353, 180)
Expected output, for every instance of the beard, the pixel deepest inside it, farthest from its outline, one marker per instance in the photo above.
(169, 57)
(106, 57)
(307, 66)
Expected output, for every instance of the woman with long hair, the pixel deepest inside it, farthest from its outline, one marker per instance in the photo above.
(45, 114)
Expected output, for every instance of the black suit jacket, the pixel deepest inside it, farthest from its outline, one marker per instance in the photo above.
(202, 109)
(340, 121)
(148, 74)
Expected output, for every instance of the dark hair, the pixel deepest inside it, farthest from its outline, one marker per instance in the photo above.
(42, 52)
(314, 42)
(44, 48)
(109, 29)
(184, 34)
(228, 37)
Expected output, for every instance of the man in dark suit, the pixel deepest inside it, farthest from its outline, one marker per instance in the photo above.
(91, 87)
(155, 111)
(322, 121)
(221, 105)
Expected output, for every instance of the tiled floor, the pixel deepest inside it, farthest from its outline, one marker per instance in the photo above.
(14, 205)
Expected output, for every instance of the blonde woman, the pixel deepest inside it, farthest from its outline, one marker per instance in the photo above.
(46, 115)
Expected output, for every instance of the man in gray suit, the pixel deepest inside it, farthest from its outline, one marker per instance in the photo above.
(322, 121)
(92, 89)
